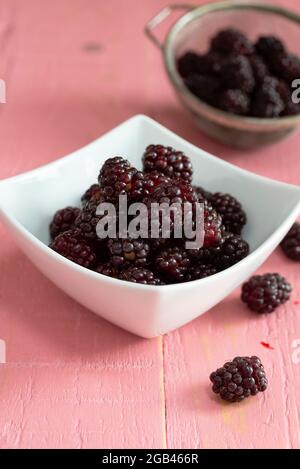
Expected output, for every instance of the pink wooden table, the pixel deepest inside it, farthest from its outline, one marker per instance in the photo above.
(74, 70)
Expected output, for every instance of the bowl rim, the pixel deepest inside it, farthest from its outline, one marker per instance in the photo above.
(225, 118)
(13, 222)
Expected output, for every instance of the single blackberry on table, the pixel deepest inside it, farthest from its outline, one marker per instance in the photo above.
(126, 251)
(92, 194)
(267, 102)
(187, 64)
(140, 275)
(197, 272)
(204, 87)
(264, 293)
(286, 66)
(232, 41)
(116, 178)
(259, 68)
(71, 245)
(108, 269)
(268, 46)
(172, 264)
(234, 101)
(63, 220)
(291, 243)
(233, 216)
(172, 163)
(236, 73)
(240, 378)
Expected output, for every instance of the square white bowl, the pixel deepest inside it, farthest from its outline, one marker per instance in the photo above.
(28, 202)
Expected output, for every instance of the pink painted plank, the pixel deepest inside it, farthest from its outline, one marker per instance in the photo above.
(71, 379)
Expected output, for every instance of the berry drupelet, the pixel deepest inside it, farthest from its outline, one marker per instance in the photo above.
(264, 293)
(71, 245)
(87, 221)
(291, 243)
(267, 102)
(166, 160)
(63, 220)
(172, 264)
(233, 216)
(140, 275)
(240, 378)
(125, 252)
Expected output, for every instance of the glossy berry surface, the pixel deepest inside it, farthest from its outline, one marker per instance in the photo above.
(238, 379)
(63, 220)
(140, 275)
(71, 245)
(291, 243)
(166, 160)
(233, 216)
(264, 293)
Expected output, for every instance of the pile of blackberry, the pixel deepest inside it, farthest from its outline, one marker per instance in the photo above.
(166, 178)
(241, 77)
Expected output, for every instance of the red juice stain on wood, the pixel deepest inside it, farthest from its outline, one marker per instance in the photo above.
(266, 345)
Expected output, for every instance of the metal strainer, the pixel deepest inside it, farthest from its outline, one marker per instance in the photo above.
(193, 31)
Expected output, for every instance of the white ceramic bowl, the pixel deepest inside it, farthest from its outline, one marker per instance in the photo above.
(28, 202)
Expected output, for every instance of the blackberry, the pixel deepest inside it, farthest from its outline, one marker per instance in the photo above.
(268, 46)
(267, 102)
(92, 194)
(140, 275)
(202, 193)
(264, 293)
(172, 163)
(115, 178)
(209, 64)
(259, 68)
(128, 251)
(63, 220)
(232, 251)
(188, 64)
(71, 245)
(232, 41)
(235, 102)
(172, 264)
(204, 87)
(286, 66)
(236, 73)
(291, 243)
(240, 378)
(87, 221)
(108, 269)
(233, 216)
(197, 272)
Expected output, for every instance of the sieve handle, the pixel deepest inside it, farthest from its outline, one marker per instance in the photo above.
(160, 17)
